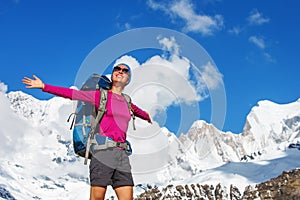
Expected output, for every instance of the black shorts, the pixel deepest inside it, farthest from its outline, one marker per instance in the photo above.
(110, 167)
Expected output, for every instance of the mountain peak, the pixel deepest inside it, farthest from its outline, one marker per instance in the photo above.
(34, 109)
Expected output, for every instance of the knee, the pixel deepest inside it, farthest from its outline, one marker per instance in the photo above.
(97, 193)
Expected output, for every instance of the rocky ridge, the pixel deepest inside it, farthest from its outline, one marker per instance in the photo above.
(285, 186)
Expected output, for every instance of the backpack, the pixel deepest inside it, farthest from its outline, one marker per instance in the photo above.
(86, 117)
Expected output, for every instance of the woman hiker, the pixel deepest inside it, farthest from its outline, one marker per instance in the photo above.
(110, 166)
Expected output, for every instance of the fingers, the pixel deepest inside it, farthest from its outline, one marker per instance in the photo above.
(33, 83)
(35, 77)
(26, 81)
(29, 79)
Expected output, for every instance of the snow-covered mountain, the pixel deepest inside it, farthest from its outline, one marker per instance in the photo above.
(269, 128)
(38, 162)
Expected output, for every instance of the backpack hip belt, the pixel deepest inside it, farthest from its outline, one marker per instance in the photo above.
(100, 142)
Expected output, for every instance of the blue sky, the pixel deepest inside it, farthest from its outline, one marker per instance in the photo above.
(254, 44)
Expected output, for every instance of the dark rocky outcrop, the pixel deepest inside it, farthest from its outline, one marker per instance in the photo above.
(285, 186)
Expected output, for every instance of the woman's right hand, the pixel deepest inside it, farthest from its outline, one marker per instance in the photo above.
(33, 83)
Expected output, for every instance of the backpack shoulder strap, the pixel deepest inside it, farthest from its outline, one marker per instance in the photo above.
(127, 97)
(102, 105)
(100, 113)
(128, 100)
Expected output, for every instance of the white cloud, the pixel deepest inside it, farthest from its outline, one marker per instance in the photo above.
(269, 58)
(211, 76)
(164, 81)
(124, 26)
(184, 9)
(235, 30)
(169, 45)
(160, 83)
(258, 41)
(256, 18)
(3, 88)
(127, 26)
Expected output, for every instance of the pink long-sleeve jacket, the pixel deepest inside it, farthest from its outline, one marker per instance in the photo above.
(114, 123)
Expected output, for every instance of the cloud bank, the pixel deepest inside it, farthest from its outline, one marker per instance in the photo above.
(184, 10)
(169, 79)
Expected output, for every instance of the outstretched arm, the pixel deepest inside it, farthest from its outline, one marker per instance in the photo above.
(140, 113)
(33, 83)
(87, 96)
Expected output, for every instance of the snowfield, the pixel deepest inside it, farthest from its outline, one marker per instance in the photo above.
(38, 162)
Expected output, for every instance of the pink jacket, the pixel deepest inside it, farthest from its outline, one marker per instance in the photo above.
(114, 123)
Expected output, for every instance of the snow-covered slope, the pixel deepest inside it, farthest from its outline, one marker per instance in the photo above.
(38, 162)
(37, 159)
(272, 126)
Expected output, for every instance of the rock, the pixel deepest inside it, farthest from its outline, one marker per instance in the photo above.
(5, 194)
(285, 186)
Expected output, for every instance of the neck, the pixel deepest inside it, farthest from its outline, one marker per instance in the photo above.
(117, 89)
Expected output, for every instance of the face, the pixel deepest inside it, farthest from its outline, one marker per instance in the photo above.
(121, 74)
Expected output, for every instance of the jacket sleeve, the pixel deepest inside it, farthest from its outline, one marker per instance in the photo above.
(87, 96)
(140, 113)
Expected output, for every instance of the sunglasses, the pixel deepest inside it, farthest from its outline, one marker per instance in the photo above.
(117, 68)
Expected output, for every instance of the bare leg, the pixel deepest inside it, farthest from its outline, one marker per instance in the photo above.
(97, 193)
(124, 192)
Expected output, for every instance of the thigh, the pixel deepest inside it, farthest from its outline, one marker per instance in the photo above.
(100, 173)
(122, 175)
(123, 161)
(121, 178)
(124, 192)
(97, 193)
